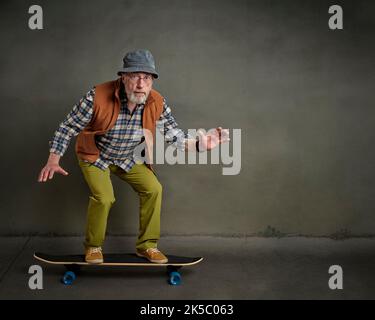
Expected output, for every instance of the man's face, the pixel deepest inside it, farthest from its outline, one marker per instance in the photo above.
(137, 86)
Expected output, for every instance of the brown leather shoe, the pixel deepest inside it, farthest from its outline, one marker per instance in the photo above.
(94, 255)
(153, 255)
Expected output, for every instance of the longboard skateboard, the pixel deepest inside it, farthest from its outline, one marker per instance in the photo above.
(73, 264)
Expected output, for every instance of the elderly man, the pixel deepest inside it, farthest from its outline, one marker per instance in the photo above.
(110, 122)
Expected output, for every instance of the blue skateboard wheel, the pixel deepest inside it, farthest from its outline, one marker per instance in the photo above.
(174, 278)
(68, 278)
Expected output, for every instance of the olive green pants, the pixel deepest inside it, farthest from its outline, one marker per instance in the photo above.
(143, 181)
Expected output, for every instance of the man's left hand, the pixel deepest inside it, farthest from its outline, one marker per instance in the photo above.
(213, 138)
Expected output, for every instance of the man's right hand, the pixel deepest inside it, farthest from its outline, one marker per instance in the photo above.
(50, 168)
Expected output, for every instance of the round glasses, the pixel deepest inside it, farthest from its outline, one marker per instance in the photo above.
(136, 77)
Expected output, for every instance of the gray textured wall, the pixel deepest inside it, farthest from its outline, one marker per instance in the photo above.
(301, 93)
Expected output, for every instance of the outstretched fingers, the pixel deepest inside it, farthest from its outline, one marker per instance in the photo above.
(44, 175)
(48, 173)
(223, 134)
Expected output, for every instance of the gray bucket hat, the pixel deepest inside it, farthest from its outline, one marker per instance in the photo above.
(139, 61)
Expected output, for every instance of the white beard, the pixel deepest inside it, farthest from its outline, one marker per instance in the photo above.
(137, 100)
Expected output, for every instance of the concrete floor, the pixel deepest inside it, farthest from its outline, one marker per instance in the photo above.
(234, 268)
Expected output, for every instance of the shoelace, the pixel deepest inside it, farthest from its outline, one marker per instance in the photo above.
(153, 250)
(96, 250)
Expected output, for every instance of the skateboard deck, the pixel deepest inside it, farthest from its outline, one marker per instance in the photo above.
(73, 263)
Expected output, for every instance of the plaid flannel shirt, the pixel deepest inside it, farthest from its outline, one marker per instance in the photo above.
(116, 146)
